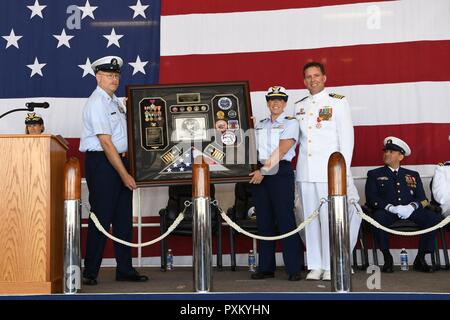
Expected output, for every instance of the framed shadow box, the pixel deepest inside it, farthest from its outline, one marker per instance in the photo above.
(171, 125)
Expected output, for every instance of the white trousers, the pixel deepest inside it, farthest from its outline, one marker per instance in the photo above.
(316, 233)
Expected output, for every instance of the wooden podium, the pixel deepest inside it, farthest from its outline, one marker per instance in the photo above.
(31, 214)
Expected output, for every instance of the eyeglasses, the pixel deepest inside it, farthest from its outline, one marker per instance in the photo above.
(111, 75)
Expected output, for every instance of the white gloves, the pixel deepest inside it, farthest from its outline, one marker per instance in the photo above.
(392, 209)
(403, 212)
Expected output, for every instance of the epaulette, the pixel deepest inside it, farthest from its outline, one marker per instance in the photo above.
(337, 96)
(300, 100)
(447, 163)
(289, 118)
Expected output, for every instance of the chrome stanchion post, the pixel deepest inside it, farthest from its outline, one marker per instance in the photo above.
(202, 246)
(72, 225)
(338, 224)
(139, 225)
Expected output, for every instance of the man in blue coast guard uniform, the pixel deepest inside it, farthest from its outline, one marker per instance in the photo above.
(397, 193)
(325, 127)
(274, 185)
(104, 140)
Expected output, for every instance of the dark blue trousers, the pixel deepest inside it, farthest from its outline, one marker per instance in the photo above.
(274, 206)
(111, 202)
(422, 217)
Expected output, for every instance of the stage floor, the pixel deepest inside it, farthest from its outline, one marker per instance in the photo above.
(180, 280)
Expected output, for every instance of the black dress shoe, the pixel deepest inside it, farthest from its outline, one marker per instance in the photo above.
(90, 281)
(421, 265)
(388, 266)
(133, 277)
(262, 275)
(295, 277)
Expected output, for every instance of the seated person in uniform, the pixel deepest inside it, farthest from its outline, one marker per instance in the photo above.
(34, 124)
(397, 193)
(441, 187)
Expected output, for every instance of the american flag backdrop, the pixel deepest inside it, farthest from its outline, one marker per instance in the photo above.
(46, 51)
(390, 58)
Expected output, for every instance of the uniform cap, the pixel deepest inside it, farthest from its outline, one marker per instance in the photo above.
(276, 92)
(107, 64)
(33, 118)
(396, 144)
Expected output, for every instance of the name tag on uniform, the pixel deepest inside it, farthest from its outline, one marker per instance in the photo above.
(302, 111)
(278, 126)
(383, 178)
(113, 113)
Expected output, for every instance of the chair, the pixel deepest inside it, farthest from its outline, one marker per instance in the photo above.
(362, 239)
(238, 213)
(177, 196)
(409, 226)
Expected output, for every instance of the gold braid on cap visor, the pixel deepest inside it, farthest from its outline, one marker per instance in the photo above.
(33, 118)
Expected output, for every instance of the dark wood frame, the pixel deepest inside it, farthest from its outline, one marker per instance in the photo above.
(244, 116)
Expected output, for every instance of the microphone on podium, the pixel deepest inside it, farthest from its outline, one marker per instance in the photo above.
(32, 105)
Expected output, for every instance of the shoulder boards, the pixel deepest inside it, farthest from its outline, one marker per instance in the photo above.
(300, 100)
(447, 163)
(337, 96)
(289, 118)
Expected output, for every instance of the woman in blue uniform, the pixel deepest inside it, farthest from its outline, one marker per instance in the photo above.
(273, 187)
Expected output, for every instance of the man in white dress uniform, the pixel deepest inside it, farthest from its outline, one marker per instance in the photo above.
(325, 127)
(441, 187)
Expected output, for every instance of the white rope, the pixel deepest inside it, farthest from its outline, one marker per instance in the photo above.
(137, 245)
(400, 233)
(236, 227)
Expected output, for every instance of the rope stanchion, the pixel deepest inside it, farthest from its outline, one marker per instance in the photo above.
(177, 221)
(236, 227)
(399, 233)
